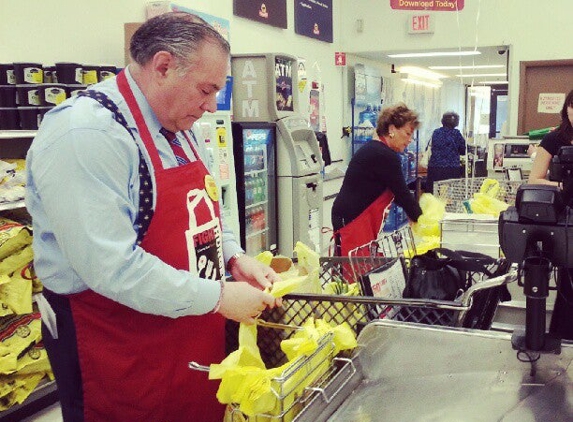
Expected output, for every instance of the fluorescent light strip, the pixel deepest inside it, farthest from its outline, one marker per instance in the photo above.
(479, 75)
(424, 83)
(493, 82)
(435, 54)
(483, 66)
(421, 72)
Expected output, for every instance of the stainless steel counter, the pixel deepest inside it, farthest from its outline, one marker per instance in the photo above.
(409, 372)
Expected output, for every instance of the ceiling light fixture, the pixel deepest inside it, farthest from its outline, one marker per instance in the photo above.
(493, 82)
(480, 75)
(421, 72)
(418, 80)
(435, 54)
(481, 66)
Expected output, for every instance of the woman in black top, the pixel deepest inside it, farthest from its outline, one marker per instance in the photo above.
(373, 179)
(562, 319)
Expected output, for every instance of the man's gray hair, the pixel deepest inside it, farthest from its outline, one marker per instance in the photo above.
(178, 33)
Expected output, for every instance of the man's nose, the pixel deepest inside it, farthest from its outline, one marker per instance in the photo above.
(210, 104)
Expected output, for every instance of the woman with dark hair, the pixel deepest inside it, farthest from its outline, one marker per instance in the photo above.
(373, 180)
(562, 318)
(447, 145)
(550, 144)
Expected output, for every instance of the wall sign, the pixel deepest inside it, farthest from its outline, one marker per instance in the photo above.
(550, 102)
(421, 24)
(313, 18)
(437, 5)
(270, 12)
(340, 58)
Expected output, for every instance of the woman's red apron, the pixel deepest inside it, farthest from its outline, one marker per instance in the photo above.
(364, 228)
(135, 366)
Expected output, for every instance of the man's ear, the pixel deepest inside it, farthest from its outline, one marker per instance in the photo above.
(162, 63)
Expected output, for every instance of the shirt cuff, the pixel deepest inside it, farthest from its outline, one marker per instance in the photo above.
(207, 297)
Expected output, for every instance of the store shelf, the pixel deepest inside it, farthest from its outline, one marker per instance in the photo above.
(43, 396)
(17, 134)
(5, 206)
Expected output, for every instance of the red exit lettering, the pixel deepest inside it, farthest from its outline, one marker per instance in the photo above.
(421, 23)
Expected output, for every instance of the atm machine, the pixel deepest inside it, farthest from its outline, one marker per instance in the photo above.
(299, 179)
(265, 91)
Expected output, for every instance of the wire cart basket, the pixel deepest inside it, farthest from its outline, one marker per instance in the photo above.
(454, 192)
(475, 308)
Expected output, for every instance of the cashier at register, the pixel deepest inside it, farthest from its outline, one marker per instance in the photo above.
(373, 180)
(562, 319)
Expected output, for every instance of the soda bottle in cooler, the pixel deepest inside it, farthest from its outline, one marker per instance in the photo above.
(248, 191)
(263, 188)
(259, 188)
(263, 218)
(258, 218)
(249, 221)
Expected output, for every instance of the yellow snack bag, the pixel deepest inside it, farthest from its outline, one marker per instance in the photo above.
(13, 237)
(16, 260)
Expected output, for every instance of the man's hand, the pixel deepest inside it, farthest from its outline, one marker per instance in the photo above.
(242, 302)
(253, 272)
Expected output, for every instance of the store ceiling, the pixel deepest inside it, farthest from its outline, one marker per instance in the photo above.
(495, 55)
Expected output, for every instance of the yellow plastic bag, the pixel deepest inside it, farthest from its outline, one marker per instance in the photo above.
(485, 204)
(490, 187)
(433, 210)
(308, 260)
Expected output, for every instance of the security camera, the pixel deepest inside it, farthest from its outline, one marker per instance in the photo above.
(501, 51)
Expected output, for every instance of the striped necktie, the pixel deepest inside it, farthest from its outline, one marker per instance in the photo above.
(175, 144)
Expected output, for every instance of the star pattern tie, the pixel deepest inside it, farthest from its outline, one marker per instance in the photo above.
(175, 145)
(145, 213)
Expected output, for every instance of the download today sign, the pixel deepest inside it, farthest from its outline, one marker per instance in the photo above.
(436, 5)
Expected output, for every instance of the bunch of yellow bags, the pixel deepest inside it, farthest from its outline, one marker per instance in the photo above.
(23, 359)
(253, 389)
(486, 200)
(17, 279)
(256, 390)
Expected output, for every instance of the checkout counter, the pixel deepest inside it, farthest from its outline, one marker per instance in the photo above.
(507, 157)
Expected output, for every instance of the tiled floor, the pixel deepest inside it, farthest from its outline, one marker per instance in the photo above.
(49, 414)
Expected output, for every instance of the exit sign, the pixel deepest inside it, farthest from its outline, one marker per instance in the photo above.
(421, 24)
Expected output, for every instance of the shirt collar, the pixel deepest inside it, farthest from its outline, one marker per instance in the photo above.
(148, 114)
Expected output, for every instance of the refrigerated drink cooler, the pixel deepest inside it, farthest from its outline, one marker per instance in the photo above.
(299, 164)
(254, 150)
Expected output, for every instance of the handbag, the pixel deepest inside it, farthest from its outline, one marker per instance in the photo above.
(425, 159)
(442, 274)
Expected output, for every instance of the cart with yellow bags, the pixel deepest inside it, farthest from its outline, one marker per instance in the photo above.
(335, 308)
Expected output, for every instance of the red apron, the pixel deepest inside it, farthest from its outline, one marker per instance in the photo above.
(365, 228)
(135, 366)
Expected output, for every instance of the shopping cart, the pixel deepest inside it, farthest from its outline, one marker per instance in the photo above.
(475, 308)
(454, 192)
